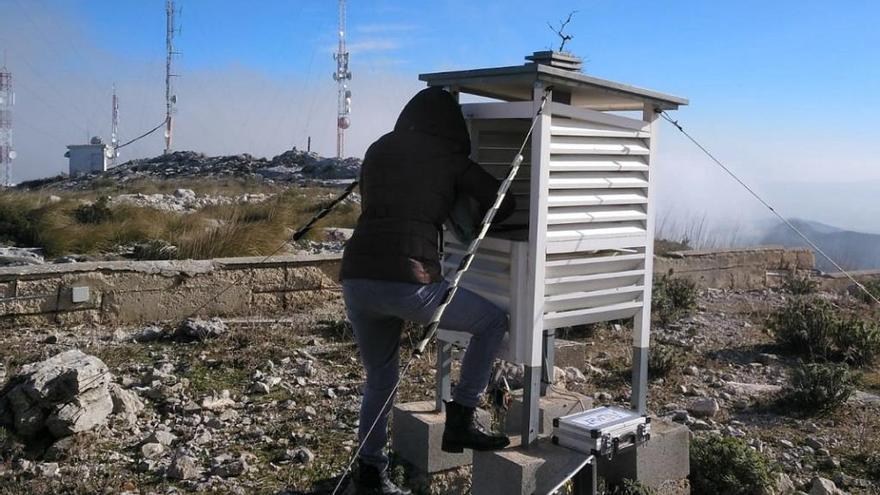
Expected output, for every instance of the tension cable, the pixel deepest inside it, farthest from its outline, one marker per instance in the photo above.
(770, 207)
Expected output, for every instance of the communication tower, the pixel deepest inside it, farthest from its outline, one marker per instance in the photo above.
(114, 130)
(342, 76)
(170, 98)
(7, 100)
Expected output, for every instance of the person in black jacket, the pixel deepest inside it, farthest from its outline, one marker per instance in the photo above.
(390, 273)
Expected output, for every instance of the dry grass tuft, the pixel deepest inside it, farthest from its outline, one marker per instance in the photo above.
(31, 219)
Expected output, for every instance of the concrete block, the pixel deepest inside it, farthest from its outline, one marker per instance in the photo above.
(663, 459)
(524, 471)
(553, 405)
(418, 434)
(570, 353)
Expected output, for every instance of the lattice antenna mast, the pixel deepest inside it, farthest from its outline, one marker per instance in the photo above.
(7, 100)
(170, 98)
(343, 95)
(114, 130)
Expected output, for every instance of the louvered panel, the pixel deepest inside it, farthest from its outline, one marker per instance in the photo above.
(571, 127)
(499, 299)
(593, 299)
(588, 245)
(569, 215)
(500, 171)
(486, 282)
(588, 283)
(520, 185)
(592, 315)
(597, 163)
(594, 197)
(579, 231)
(481, 264)
(497, 249)
(597, 146)
(594, 265)
(597, 180)
(582, 264)
(506, 139)
(499, 155)
(520, 216)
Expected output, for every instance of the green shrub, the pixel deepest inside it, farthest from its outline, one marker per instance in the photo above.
(858, 341)
(19, 220)
(805, 327)
(662, 359)
(799, 285)
(673, 297)
(819, 387)
(630, 487)
(812, 329)
(95, 213)
(727, 466)
(873, 286)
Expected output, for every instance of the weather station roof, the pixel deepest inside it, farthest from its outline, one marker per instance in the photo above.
(563, 72)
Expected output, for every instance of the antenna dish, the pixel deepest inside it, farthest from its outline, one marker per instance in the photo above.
(13, 155)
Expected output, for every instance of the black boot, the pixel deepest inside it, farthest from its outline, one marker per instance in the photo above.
(464, 432)
(369, 480)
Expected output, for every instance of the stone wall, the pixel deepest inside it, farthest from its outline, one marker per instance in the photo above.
(132, 292)
(839, 281)
(742, 268)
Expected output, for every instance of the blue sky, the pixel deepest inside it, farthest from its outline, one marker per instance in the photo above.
(784, 91)
(788, 55)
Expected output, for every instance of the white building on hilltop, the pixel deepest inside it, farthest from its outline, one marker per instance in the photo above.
(88, 158)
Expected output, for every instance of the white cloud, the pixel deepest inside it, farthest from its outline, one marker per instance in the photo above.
(385, 28)
(373, 45)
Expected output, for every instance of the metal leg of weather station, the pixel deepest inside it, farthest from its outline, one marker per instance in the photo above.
(443, 385)
(530, 414)
(549, 361)
(585, 480)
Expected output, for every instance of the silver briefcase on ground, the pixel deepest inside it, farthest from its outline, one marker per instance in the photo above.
(602, 431)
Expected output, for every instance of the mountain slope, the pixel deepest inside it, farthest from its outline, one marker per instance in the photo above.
(852, 250)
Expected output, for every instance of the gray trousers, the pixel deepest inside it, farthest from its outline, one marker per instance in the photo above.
(377, 310)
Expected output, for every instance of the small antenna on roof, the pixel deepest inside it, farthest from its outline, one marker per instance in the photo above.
(559, 32)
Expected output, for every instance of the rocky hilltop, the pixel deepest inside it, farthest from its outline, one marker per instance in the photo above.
(292, 166)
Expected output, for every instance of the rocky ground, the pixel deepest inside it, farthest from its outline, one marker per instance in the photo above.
(270, 406)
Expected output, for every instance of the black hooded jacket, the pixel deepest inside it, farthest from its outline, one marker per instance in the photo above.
(409, 180)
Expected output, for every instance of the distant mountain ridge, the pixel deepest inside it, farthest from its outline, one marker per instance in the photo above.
(852, 250)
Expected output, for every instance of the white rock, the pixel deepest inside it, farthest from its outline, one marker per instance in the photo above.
(824, 486)
(751, 389)
(152, 450)
(782, 484)
(163, 437)
(199, 329)
(217, 402)
(48, 469)
(704, 408)
(67, 393)
(184, 468)
(126, 404)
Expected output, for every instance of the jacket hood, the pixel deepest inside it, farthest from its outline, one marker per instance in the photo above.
(435, 112)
